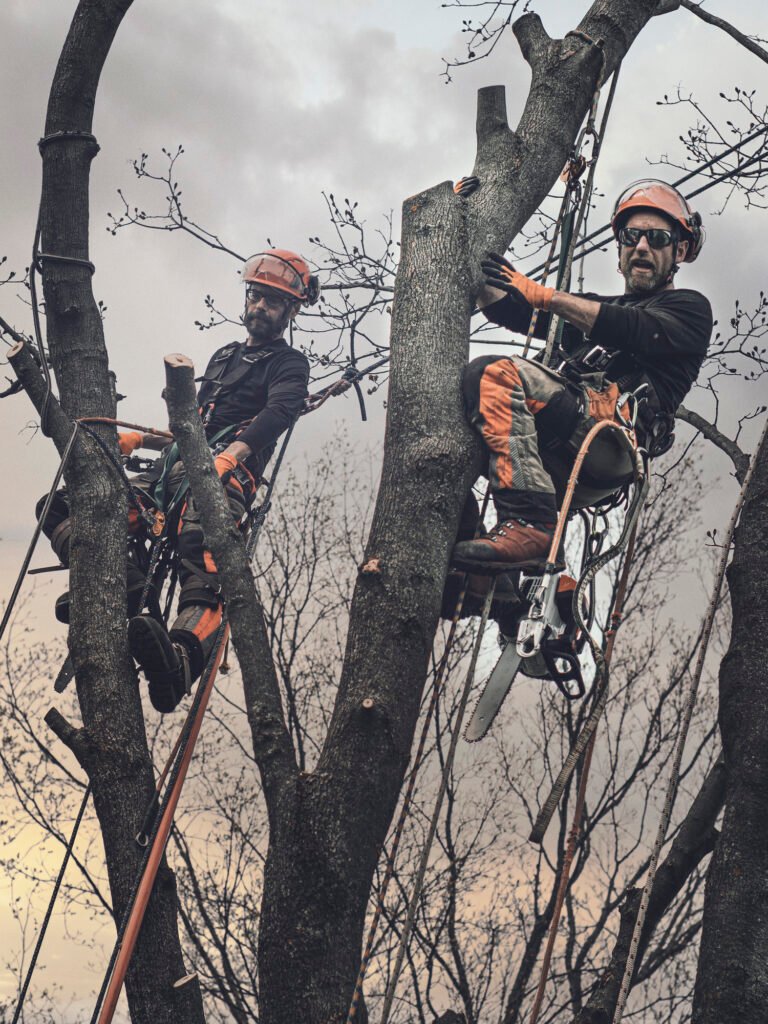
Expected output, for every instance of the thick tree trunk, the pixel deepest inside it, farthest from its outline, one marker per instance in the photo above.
(112, 745)
(732, 982)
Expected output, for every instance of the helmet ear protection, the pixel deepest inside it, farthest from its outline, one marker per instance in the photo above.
(312, 290)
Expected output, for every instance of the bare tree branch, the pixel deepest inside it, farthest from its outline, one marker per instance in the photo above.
(739, 458)
(272, 746)
(666, 6)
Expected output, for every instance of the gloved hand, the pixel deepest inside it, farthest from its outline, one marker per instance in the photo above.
(499, 273)
(235, 473)
(130, 441)
(464, 187)
(225, 464)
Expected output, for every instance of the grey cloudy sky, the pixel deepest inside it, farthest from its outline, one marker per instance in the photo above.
(275, 102)
(344, 97)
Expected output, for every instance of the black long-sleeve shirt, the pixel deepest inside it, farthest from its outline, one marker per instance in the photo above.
(270, 394)
(660, 339)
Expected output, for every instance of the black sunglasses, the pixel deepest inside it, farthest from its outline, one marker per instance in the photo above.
(658, 238)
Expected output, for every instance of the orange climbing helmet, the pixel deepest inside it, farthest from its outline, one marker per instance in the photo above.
(654, 194)
(284, 271)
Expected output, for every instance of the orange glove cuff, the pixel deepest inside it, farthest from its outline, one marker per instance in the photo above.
(538, 295)
(225, 463)
(130, 441)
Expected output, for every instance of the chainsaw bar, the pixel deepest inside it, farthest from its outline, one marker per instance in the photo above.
(495, 690)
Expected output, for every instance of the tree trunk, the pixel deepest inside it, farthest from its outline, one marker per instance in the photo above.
(732, 981)
(112, 745)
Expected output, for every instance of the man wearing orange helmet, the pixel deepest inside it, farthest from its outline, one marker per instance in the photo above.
(250, 394)
(533, 419)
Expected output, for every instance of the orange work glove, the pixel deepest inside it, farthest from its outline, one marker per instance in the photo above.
(464, 187)
(226, 464)
(499, 273)
(130, 442)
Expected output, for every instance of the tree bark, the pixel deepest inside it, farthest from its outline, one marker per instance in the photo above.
(111, 745)
(732, 980)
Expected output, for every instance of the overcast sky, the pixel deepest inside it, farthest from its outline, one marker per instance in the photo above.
(275, 102)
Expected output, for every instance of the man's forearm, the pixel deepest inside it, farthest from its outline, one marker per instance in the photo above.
(240, 451)
(582, 313)
(154, 442)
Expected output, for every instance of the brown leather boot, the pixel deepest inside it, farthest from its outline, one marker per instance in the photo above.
(511, 544)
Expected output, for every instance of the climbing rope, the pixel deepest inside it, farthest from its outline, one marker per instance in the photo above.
(575, 829)
(677, 759)
(351, 377)
(738, 169)
(573, 198)
(51, 903)
(564, 272)
(418, 883)
(157, 840)
(38, 529)
(437, 688)
(600, 686)
(575, 203)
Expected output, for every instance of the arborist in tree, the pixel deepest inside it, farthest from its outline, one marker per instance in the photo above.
(651, 340)
(251, 392)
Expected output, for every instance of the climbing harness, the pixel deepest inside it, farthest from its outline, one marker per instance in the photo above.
(158, 562)
(533, 630)
(677, 758)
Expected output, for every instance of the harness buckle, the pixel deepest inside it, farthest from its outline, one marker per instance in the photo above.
(597, 358)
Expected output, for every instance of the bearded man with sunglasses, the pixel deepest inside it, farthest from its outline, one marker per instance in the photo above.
(651, 340)
(251, 392)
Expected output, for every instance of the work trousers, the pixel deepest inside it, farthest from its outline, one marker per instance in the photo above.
(199, 608)
(529, 466)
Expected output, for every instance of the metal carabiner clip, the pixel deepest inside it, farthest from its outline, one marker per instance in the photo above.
(629, 399)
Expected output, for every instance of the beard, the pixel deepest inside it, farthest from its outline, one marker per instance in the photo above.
(260, 328)
(644, 283)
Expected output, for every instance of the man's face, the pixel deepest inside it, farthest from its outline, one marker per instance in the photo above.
(267, 312)
(644, 269)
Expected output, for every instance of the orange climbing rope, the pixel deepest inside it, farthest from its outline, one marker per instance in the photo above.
(573, 834)
(131, 926)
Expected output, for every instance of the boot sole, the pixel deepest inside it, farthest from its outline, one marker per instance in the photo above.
(152, 649)
(534, 567)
